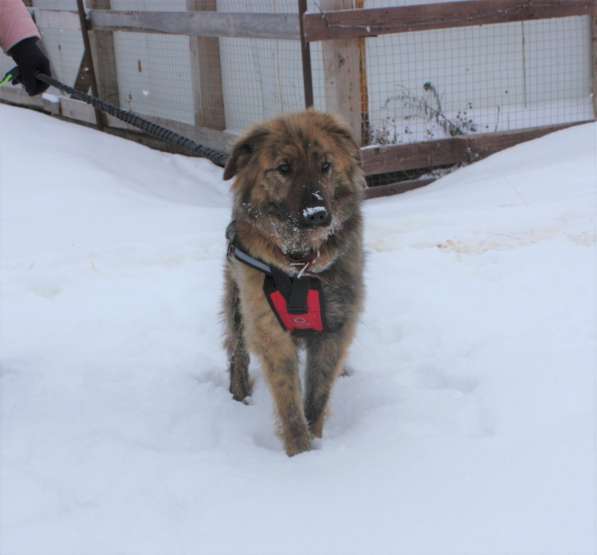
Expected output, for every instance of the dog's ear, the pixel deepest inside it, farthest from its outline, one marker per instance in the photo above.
(343, 136)
(243, 151)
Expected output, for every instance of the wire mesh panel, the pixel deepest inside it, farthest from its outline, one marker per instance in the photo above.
(154, 76)
(262, 78)
(414, 86)
(63, 46)
(442, 83)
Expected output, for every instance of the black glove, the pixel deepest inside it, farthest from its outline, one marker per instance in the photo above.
(30, 60)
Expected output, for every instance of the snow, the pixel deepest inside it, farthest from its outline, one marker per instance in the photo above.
(467, 425)
(312, 210)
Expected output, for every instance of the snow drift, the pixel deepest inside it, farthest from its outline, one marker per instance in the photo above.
(466, 426)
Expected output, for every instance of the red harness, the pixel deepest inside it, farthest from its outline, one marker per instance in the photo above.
(297, 301)
(298, 309)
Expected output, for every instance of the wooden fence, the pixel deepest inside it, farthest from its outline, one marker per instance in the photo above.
(340, 25)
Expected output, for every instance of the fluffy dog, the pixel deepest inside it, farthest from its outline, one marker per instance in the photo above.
(294, 271)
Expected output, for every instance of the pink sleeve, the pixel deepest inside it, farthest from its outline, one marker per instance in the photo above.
(15, 23)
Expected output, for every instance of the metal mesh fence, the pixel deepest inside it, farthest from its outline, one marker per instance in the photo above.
(416, 86)
(263, 78)
(435, 84)
(153, 70)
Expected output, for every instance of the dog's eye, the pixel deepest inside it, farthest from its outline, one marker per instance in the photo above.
(284, 169)
(326, 167)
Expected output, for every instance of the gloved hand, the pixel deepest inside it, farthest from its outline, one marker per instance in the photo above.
(30, 60)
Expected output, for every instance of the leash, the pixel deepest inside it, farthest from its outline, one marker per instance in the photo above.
(153, 129)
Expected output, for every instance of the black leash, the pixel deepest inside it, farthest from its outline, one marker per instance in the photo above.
(157, 131)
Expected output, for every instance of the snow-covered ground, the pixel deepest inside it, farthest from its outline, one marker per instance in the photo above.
(468, 423)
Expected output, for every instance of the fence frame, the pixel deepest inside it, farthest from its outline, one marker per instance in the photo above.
(373, 22)
(341, 26)
(332, 27)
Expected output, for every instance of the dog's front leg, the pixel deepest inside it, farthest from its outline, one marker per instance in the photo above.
(279, 361)
(325, 359)
(280, 365)
(277, 352)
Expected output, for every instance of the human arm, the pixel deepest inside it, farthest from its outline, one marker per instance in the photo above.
(19, 38)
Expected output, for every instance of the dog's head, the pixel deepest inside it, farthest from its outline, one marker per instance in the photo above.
(298, 179)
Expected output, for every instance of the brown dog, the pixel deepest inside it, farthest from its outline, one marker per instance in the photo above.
(294, 272)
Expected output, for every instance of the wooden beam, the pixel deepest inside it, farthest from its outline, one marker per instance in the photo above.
(206, 72)
(100, 117)
(16, 96)
(363, 84)
(402, 19)
(200, 24)
(445, 152)
(104, 56)
(83, 79)
(305, 58)
(341, 64)
(397, 188)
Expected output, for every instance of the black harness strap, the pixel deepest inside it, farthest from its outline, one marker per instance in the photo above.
(296, 291)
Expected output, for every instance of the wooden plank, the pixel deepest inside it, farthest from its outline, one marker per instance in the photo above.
(206, 71)
(77, 110)
(100, 118)
(341, 65)
(445, 152)
(200, 24)
(305, 58)
(402, 19)
(397, 188)
(83, 79)
(594, 57)
(104, 57)
(16, 96)
(363, 84)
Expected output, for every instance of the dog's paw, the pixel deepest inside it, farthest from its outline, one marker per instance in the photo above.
(242, 398)
(241, 390)
(295, 450)
(297, 445)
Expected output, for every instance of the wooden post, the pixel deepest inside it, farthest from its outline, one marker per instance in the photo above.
(100, 120)
(208, 93)
(593, 20)
(83, 78)
(341, 62)
(305, 57)
(364, 85)
(104, 56)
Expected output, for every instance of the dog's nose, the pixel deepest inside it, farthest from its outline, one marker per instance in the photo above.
(316, 216)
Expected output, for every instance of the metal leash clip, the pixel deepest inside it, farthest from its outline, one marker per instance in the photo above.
(305, 265)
